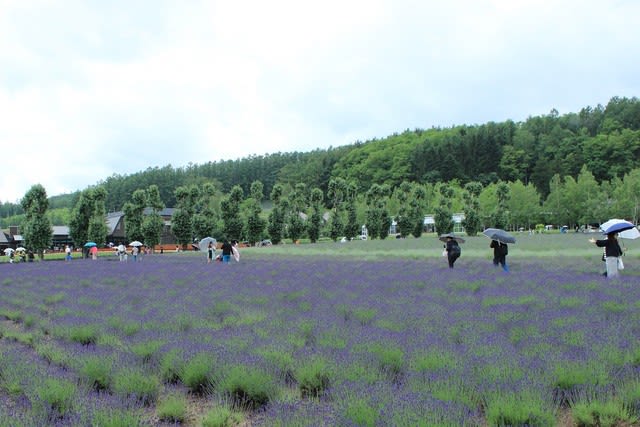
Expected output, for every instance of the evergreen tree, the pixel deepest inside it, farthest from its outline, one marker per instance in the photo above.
(443, 215)
(500, 217)
(153, 223)
(298, 204)
(471, 222)
(181, 224)
(315, 222)
(417, 210)
(37, 227)
(255, 223)
(336, 194)
(276, 221)
(80, 217)
(97, 231)
(230, 207)
(134, 215)
(351, 228)
(404, 219)
(204, 221)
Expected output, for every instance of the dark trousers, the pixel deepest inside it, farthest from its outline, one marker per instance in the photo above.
(502, 260)
(452, 259)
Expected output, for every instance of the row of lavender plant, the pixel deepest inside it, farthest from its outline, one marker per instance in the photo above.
(328, 341)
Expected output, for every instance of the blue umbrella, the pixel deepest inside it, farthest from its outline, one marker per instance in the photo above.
(90, 244)
(616, 225)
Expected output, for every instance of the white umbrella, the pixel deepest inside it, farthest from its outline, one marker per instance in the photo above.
(135, 243)
(20, 249)
(9, 251)
(204, 243)
(631, 233)
(616, 225)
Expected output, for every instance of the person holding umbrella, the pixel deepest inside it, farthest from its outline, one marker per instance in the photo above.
(499, 243)
(612, 252)
(500, 252)
(451, 247)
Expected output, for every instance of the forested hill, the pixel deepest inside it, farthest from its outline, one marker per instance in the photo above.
(604, 138)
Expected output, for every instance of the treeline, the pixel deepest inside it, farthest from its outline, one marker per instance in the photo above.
(604, 139)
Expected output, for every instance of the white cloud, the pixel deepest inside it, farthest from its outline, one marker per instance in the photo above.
(92, 89)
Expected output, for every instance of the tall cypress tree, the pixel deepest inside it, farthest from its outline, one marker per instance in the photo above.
(37, 227)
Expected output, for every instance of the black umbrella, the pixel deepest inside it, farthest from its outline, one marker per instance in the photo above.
(499, 235)
(444, 237)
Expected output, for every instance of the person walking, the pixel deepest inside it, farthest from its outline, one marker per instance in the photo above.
(453, 250)
(94, 253)
(612, 253)
(210, 253)
(67, 253)
(226, 252)
(500, 252)
(134, 253)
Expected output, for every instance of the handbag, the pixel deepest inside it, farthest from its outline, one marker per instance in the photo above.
(620, 264)
(444, 253)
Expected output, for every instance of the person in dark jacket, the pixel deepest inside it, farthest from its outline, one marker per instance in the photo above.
(211, 251)
(500, 252)
(453, 251)
(612, 252)
(226, 252)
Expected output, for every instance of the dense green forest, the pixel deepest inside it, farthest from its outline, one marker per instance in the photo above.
(603, 140)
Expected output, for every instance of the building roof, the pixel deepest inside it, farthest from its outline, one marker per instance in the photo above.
(113, 218)
(5, 238)
(163, 212)
(60, 230)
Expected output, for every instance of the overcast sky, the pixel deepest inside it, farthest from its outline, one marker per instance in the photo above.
(91, 88)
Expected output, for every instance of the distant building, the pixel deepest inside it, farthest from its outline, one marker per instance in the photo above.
(116, 227)
(430, 223)
(60, 237)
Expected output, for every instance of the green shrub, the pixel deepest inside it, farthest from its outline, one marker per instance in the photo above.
(172, 408)
(21, 337)
(57, 395)
(364, 315)
(518, 410)
(630, 393)
(361, 413)
(171, 366)
(313, 377)
(86, 334)
(97, 372)
(54, 299)
(136, 384)
(390, 359)
(568, 375)
(281, 360)
(29, 320)
(13, 315)
(198, 373)
(433, 360)
(221, 416)
(147, 350)
(248, 387)
(599, 414)
(52, 354)
(116, 418)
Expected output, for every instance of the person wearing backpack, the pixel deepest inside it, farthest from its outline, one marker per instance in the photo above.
(453, 251)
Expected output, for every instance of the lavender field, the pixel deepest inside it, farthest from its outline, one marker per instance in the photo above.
(321, 340)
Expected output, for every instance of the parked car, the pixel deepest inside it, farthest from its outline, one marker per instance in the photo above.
(265, 242)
